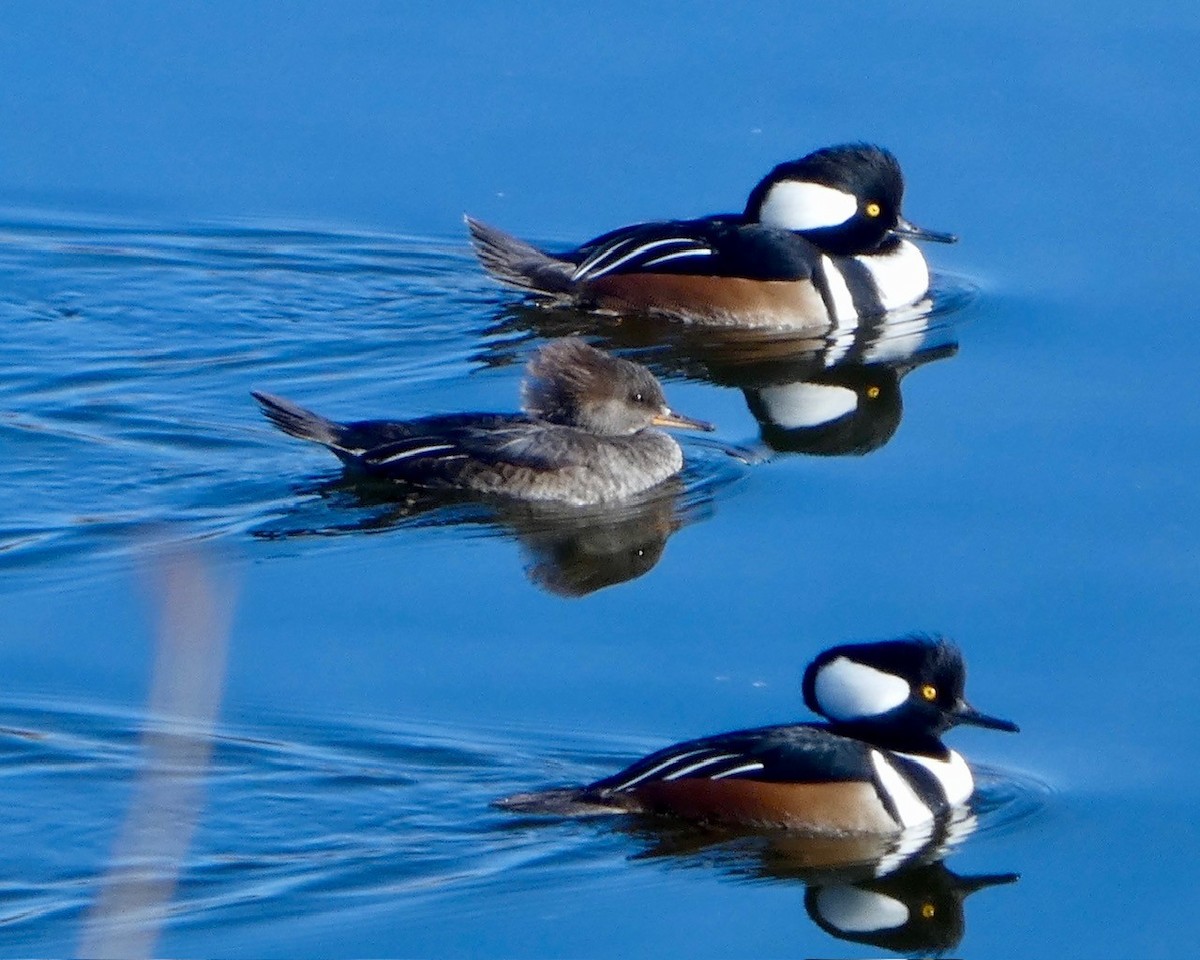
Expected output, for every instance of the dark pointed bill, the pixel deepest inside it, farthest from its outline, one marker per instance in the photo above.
(964, 713)
(981, 881)
(912, 231)
(669, 418)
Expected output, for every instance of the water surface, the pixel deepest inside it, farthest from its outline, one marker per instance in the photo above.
(195, 205)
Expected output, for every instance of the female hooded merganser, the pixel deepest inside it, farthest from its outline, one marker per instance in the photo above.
(821, 240)
(584, 437)
(877, 766)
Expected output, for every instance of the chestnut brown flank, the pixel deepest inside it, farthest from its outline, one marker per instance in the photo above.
(721, 299)
(849, 807)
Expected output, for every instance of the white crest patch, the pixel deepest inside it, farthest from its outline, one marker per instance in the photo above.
(795, 205)
(847, 690)
(793, 405)
(953, 774)
(855, 910)
(910, 808)
(901, 277)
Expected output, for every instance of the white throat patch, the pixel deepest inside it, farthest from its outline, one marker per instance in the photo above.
(847, 690)
(901, 277)
(952, 773)
(793, 205)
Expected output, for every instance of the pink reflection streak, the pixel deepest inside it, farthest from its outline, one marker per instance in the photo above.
(135, 893)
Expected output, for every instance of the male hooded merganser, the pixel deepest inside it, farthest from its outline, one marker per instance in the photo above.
(877, 766)
(584, 437)
(821, 240)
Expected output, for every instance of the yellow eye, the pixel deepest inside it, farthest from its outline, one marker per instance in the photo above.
(872, 209)
(872, 392)
(929, 691)
(928, 910)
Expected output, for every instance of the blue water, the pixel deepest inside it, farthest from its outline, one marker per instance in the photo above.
(251, 710)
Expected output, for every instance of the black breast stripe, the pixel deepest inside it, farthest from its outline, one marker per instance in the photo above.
(861, 285)
(925, 785)
(821, 283)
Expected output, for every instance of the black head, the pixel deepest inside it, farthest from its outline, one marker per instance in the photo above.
(845, 199)
(908, 686)
(918, 910)
(573, 384)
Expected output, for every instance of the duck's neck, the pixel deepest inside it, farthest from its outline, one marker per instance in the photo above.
(916, 742)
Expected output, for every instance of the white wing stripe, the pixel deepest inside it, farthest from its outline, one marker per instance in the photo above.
(699, 252)
(662, 766)
(744, 768)
(593, 270)
(416, 452)
(676, 774)
(599, 256)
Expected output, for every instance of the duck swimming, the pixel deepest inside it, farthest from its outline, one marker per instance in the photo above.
(878, 765)
(586, 435)
(821, 240)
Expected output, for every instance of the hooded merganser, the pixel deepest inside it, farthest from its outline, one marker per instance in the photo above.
(915, 911)
(584, 437)
(877, 766)
(821, 240)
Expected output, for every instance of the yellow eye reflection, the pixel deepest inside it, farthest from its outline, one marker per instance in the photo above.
(929, 692)
(872, 209)
(872, 392)
(928, 910)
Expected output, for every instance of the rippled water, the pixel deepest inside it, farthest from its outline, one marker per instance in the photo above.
(253, 709)
(302, 831)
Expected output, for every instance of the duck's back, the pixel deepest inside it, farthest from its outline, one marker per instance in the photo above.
(514, 455)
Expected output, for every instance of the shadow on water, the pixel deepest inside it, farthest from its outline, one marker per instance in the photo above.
(568, 551)
(866, 890)
(303, 816)
(129, 352)
(893, 892)
(830, 391)
(173, 327)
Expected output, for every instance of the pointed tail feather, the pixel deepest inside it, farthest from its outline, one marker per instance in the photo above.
(295, 421)
(517, 263)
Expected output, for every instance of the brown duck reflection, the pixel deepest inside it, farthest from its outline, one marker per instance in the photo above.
(832, 391)
(895, 893)
(567, 551)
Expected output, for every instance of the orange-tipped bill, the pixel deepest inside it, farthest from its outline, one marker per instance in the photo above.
(669, 418)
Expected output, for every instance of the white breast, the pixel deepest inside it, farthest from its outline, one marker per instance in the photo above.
(910, 808)
(839, 293)
(901, 277)
(953, 774)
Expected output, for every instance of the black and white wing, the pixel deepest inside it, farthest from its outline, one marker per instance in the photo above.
(715, 246)
(441, 448)
(799, 753)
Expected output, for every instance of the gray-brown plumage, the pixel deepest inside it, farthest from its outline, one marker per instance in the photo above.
(586, 435)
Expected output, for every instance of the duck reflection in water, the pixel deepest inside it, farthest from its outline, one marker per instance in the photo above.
(896, 894)
(828, 391)
(570, 552)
